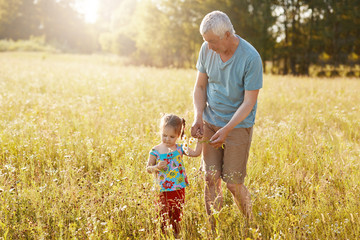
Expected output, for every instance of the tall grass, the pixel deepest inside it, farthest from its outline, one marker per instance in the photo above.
(75, 132)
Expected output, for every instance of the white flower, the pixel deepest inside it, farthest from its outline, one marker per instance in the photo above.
(186, 149)
(123, 208)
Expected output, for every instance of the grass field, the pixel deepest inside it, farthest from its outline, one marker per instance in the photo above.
(75, 132)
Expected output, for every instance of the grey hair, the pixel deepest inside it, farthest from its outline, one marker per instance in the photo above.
(217, 22)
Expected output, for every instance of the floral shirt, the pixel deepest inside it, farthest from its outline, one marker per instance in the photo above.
(174, 177)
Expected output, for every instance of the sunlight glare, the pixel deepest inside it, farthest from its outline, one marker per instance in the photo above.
(89, 8)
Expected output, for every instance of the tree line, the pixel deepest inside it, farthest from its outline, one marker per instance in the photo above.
(290, 35)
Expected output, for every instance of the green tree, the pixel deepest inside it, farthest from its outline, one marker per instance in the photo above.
(63, 26)
(173, 27)
(253, 21)
(313, 28)
(8, 11)
(341, 29)
(118, 36)
(19, 19)
(105, 13)
(57, 20)
(167, 33)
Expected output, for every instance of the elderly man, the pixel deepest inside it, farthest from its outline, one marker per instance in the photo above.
(225, 100)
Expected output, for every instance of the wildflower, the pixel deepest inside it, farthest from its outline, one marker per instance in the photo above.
(41, 189)
(323, 218)
(186, 150)
(123, 208)
(10, 168)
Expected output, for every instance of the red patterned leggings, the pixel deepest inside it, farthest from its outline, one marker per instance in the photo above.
(171, 204)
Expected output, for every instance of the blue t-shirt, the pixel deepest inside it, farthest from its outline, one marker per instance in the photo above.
(228, 81)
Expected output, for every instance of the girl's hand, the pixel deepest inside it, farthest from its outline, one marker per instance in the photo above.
(162, 165)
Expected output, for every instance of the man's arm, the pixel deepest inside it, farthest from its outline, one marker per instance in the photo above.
(199, 104)
(243, 111)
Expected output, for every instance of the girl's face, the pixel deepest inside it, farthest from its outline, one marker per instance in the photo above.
(169, 136)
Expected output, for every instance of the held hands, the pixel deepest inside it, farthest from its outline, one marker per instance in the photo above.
(197, 130)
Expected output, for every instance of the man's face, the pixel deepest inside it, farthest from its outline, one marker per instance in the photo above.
(214, 42)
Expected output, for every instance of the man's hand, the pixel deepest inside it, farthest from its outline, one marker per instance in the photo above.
(197, 129)
(218, 139)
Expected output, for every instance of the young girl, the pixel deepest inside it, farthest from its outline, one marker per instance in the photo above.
(165, 160)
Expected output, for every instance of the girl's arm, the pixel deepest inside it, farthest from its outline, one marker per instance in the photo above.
(197, 151)
(151, 165)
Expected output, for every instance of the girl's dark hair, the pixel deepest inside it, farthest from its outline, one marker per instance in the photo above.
(174, 121)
